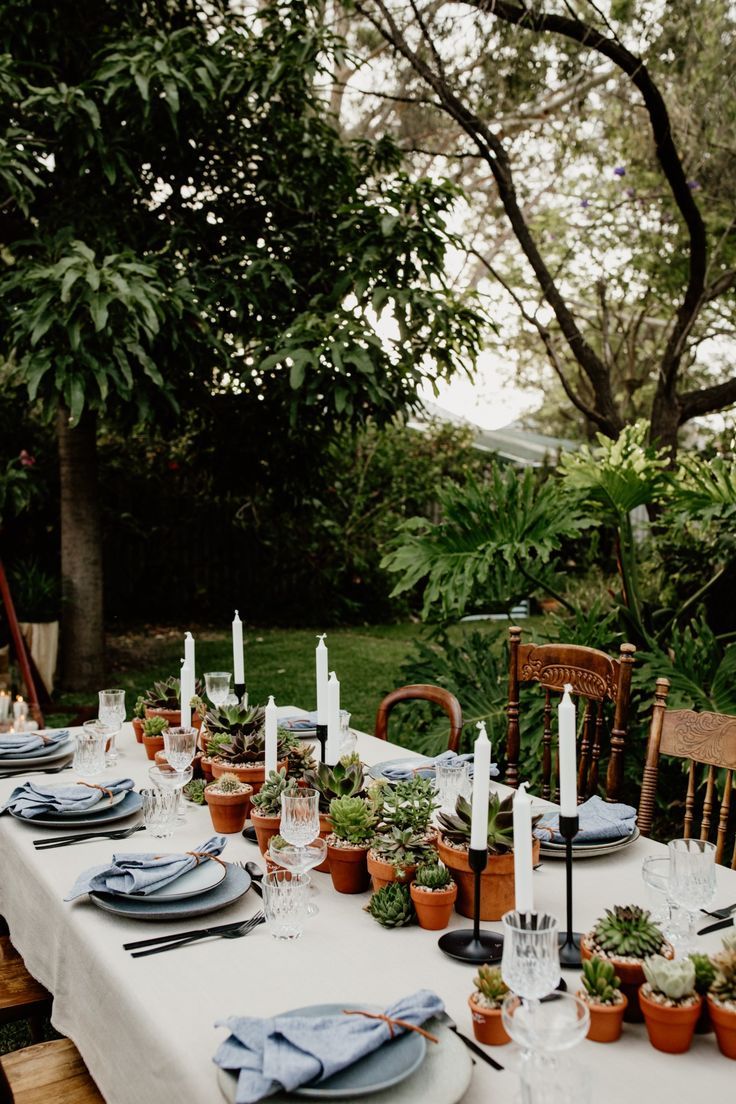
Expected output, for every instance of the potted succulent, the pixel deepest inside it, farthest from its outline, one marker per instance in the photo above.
(485, 1006)
(606, 1003)
(194, 791)
(229, 802)
(345, 779)
(625, 936)
(299, 754)
(497, 888)
(236, 743)
(705, 973)
(153, 735)
(722, 998)
(391, 906)
(265, 808)
(403, 837)
(353, 823)
(139, 715)
(670, 1005)
(433, 893)
(163, 699)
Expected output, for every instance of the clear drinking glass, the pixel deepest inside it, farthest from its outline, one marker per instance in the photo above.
(111, 712)
(89, 749)
(217, 684)
(544, 1031)
(530, 964)
(168, 779)
(348, 739)
(180, 746)
(692, 881)
(450, 781)
(284, 902)
(159, 811)
(300, 817)
(655, 870)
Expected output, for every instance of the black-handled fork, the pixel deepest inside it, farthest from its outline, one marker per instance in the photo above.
(67, 841)
(231, 932)
(40, 770)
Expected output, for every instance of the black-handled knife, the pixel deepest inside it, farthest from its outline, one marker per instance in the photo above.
(717, 927)
(199, 932)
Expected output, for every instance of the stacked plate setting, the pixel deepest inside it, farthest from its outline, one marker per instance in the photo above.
(51, 755)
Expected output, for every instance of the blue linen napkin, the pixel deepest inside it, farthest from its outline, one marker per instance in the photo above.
(599, 820)
(32, 799)
(426, 770)
(139, 874)
(288, 1051)
(22, 743)
(299, 724)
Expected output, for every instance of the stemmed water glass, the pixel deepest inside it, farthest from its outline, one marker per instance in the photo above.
(217, 684)
(299, 827)
(180, 745)
(111, 714)
(692, 880)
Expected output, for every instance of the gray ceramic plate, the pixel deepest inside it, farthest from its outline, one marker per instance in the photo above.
(406, 762)
(105, 803)
(442, 1077)
(591, 850)
(200, 879)
(131, 804)
(235, 884)
(52, 754)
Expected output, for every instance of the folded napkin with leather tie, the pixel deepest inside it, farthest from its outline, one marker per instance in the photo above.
(23, 743)
(32, 799)
(139, 874)
(425, 769)
(599, 821)
(282, 1053)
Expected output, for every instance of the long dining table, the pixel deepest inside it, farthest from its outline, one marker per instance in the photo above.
(146, 1027)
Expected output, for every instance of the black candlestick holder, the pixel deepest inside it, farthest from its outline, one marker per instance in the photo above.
(569, 940)
(239, 690)
(471, 944)
(320, 732)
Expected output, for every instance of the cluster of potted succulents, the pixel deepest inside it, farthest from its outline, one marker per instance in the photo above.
(353, 822)
(606, 1003)
(433, 893)
(485, 1006)
(228, 799)
(625, 937)
(403, 837)
(234, 741)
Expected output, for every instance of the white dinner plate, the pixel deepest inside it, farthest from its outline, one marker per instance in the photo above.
(593, 850)
(200, 879)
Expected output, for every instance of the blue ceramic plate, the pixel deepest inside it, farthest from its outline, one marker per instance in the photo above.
(103, 815)
(235, 884)
(406, 762)
(590, 850)
(50, 753)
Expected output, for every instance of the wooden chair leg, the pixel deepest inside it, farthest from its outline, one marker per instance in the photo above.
(49, 1072)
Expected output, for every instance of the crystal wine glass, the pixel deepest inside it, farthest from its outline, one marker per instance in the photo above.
(180, 746)
(544, 1032)
(299, 827)
(530, 964)
(692, 881)
(111, 713)
(217, 684)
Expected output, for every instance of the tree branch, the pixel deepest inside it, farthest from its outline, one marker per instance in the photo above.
(707, 400)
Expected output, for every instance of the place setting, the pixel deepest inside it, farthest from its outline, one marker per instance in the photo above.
(45, 750)
(77, 804)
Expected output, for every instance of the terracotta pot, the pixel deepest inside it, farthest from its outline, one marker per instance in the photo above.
(205, 765)
(325, 827)
(606, 1020)
(724, 1025)
(433, 906)
(229, 812)
(138, 729)
(487, 1024)
(349, 868)
(266, 828)
(670, 1029)
(161, 761)
(383, 873)
(631, 975)
(173, 717)
(254, 776)
(152, 744)
(497, 892)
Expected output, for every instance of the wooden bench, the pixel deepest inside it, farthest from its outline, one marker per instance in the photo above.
(46, 1073)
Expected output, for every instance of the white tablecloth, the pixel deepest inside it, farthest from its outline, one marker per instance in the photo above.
(145, 1026)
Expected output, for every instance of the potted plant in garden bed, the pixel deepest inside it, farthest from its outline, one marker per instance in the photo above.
(606, 1003)
(433, 893)
(153, 735)
(235, 742)
(669, 1003)
(497, 888)
(164, 700)
(485, 1006)
(722, 997)
(625, 936)
(353, 821)
(403, 837)
(229, 803)
(265, 808)
(391, 906)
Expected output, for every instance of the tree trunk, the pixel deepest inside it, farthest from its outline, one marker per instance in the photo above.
(83, 632)
(665, 422)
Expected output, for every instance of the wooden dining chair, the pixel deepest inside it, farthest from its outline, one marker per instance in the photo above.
(599, 681)
(708, 742)
(422, 692)
(21, 996)
(47, 1072)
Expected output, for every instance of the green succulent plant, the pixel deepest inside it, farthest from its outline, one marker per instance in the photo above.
(154, 726)
(627, 931)
(672, 977)
(139, 709)
(705, 972)
(353, 819)
(401, 847)
(299, 753)
(166, 694)
(194, 791)
(455, 827)
(433, 875)
(600, 980)
(267, 801)
(491, 986)
(228, 784)
(391, 906)
(345, 779)
(237, 735)
(407, 804)
(723, 988)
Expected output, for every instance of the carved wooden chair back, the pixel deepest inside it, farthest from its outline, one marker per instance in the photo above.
(423, 692)
(596, 679)
(705, 740)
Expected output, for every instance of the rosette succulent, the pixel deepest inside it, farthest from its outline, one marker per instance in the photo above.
(353, 820)
(237, 735)
(490, 986)
(392, 906)
(705, 972)
(345, 779)
(455, 827)
(154, 726)
(602, 986)
(672, 977)
(166, 694)
(433, 875)
(401, 847)
(723, 988)
(267, 802)
(627, 931)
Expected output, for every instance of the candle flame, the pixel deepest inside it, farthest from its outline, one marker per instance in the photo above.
(19, 698)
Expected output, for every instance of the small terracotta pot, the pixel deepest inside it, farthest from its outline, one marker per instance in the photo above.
(670, 1029)
(724, 1025)
(383, 873)
(205, 765)
(173, 717)
(161, 761)
(138, 729)
(325, 827)
(229, 812)
(433, 906)
(349, 868)
(631, 975)
(606, 1020)
(487, 1024)
(266, 828)
(497, 891)
(254, 776)
(153, 744)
